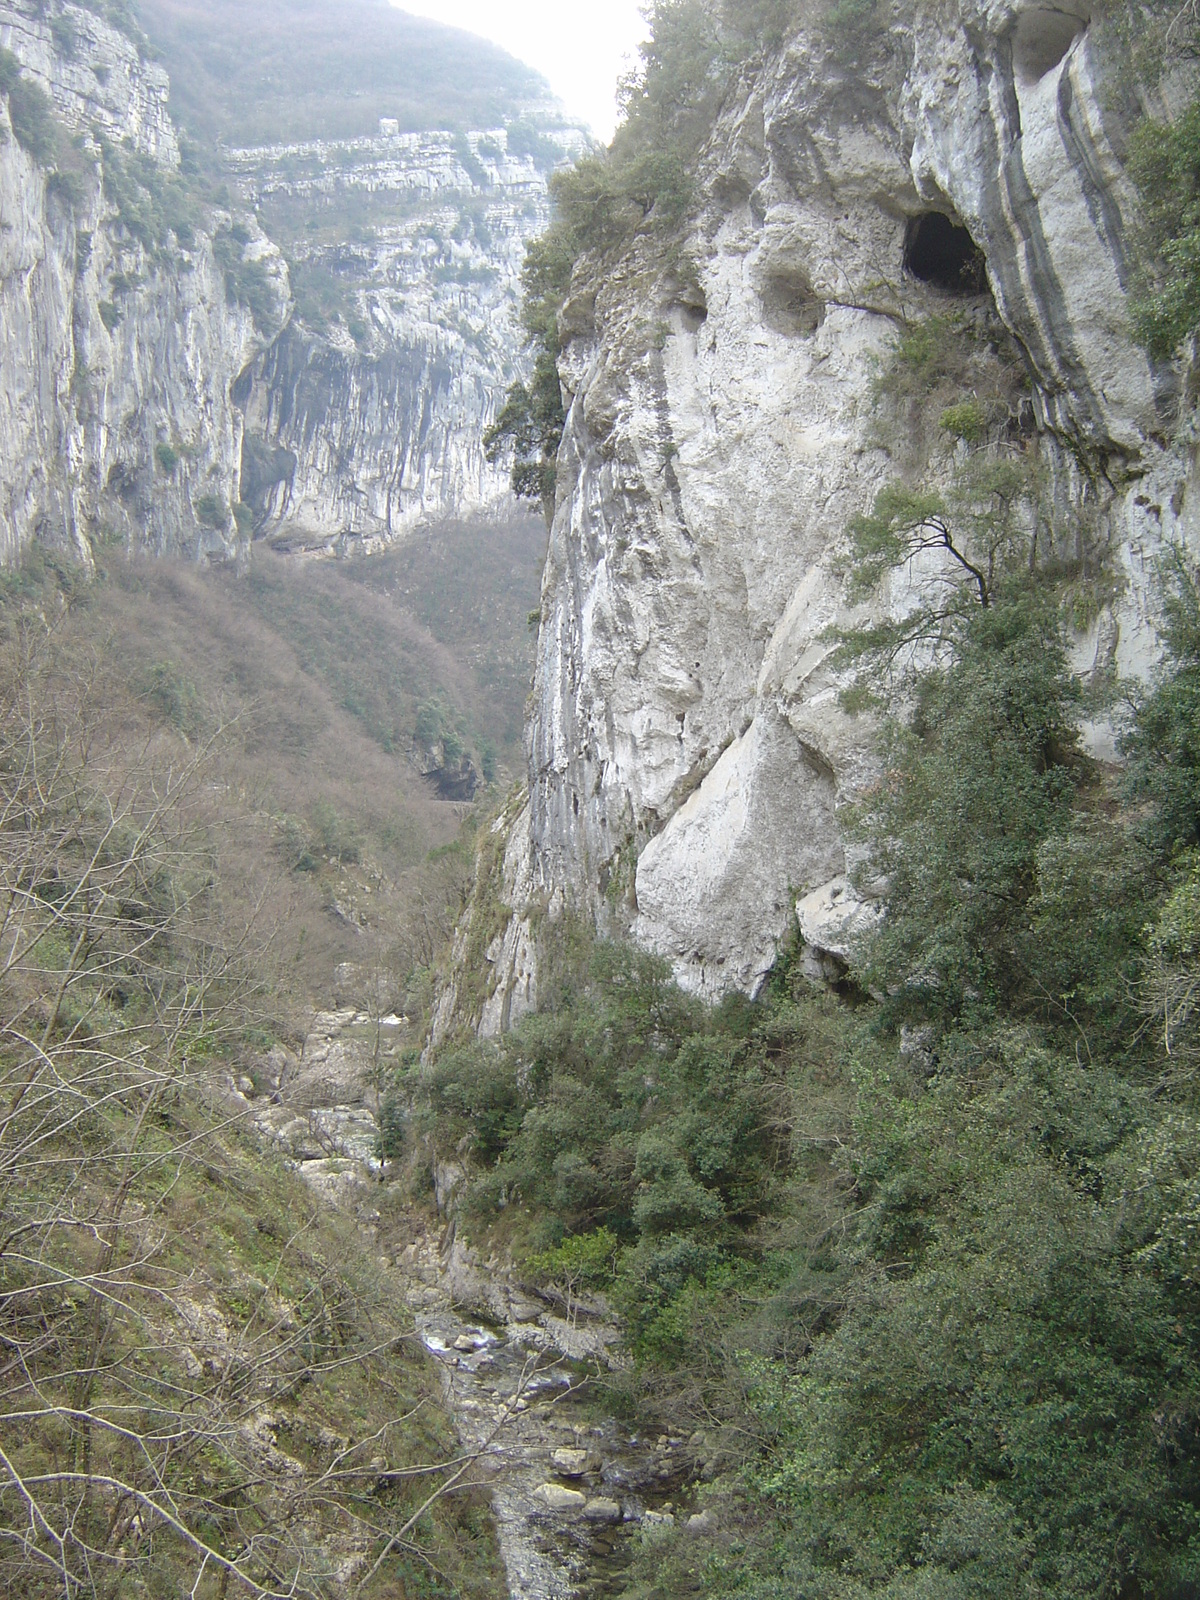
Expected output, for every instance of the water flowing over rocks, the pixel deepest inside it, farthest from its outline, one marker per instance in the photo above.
(688, 752)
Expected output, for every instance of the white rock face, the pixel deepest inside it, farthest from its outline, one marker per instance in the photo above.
(712, 886)
(100, 81)
(85, 401)
(376, 436)
(688, 753)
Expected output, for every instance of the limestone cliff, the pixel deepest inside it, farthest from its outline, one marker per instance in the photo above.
(687, 751)
(366, 422)
(120, 339)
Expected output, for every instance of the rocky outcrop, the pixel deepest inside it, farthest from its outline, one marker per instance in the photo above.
(120, 339)
(159, 389)
(376, 419)
(688, 751)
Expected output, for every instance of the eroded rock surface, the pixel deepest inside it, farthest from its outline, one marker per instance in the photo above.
(118, 353)
(376, 423)
(689, 755)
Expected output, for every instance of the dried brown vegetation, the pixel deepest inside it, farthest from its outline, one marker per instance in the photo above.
(210, 1386)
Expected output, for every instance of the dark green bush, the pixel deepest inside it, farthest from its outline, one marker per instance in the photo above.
(69, 186)
(247, 282)
(393, 1128)
(65, 35)
(1165, 163)
(33, 121)
(175, 696)
(154, 205)
(1163, 744)
(166, 456)
(211, 511)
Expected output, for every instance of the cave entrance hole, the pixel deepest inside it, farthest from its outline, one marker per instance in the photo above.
(1041, 40)
(943, 254)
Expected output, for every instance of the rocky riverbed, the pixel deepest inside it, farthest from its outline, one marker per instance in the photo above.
(574, 1492)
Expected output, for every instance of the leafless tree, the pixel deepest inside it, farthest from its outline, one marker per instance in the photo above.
(129, 1463)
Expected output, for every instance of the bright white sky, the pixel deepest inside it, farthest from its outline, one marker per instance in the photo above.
(581, 46)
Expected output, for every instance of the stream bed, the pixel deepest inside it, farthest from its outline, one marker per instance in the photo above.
(573, 1496)
(574, 1493)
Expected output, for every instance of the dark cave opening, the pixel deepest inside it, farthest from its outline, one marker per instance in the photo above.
(943, 254)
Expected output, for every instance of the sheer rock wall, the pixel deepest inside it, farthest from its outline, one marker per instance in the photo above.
(85, 401)
(687, 753)
(384, 430)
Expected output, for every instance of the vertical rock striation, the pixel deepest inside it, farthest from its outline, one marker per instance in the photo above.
(373, 418)
(119, 349)
(688, 752)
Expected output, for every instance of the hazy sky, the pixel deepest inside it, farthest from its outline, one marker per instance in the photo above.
(583, 48)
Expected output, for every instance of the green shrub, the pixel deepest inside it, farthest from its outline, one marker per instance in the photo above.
(212, 511)
(987, 771)
(297, 847)
(175, 696)
(110, 314)
(967, 421)
(65, 35)
(393, 1141)
(1162, 745)
(585, 1260)
(33, 121)
(247, 283)
(69, 186)
(153, 204)
(1165, 163)
(166, 456)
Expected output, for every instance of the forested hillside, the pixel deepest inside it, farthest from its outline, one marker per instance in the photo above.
(212, 1380)
(290, 70)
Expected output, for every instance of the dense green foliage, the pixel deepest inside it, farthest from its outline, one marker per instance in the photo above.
(1165, 162)
(927, 1261)
(33, 121)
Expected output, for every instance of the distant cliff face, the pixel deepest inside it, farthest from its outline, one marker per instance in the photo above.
(162, 386)
(119, 339)
(368, 420)
(688, 752)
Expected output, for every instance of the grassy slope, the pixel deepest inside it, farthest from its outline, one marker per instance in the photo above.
(327, 669)
(279, 70)
(269, 1325)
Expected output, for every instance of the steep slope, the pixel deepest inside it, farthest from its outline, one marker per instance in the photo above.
(402, 168)
(285, 70)
(368, 416)
(740, 387)
(126, 309)
(144, 313)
